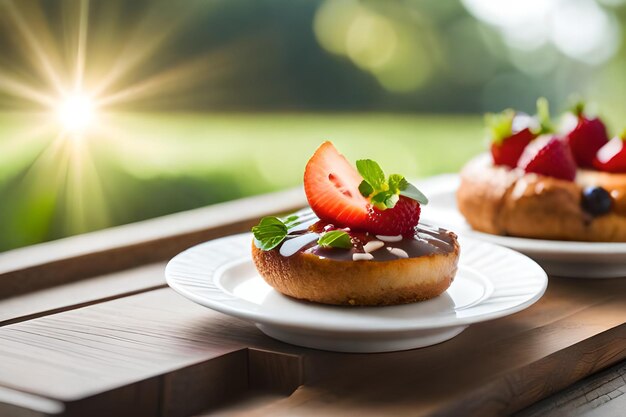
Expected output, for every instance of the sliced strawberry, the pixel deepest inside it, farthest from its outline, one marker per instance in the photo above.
(549, 156)
(331, 185)
(585, 137)
(612, 156)
(401, 219)
(509, 133)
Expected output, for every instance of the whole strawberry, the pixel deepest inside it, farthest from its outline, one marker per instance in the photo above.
(585, 136)
(399, 220)
(507, 144)
(549, 156)
(612, 156)
(510, 132)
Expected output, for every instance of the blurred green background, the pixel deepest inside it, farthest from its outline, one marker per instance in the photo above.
(196, 102)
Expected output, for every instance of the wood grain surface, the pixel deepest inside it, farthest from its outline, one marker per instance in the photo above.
(72, 259)
(178, 358)
(88, 329)
(82, 293)
(600, 395)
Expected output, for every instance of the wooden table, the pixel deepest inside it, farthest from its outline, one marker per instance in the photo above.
(88, 328)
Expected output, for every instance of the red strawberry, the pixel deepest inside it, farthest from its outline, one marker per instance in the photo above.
(401, 219)
(612, 156)
(331, 185)
(510, 149)
(509, 133)
(549, 156)
(586, 137)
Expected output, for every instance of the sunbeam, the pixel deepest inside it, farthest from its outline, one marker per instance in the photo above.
(40, 54)
(147, 37)
(75, 85)
(65, 167)
(20, 89)
(81, 44)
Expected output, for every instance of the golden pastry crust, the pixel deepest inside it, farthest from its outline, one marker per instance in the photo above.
(502, 201)
(308, 277)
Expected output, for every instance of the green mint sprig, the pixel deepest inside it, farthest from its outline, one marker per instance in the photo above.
(269, 233)
(272, 231)
(499, 125)
(335, 239)
(385, 193)
(543, 116)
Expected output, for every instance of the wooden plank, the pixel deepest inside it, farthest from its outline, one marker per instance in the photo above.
(602, 394)
(214, 382)
(140, 399)
(67, 260)
(82, 293)
(83, 352)
(274, 372)
(20, 404)
(496, 367)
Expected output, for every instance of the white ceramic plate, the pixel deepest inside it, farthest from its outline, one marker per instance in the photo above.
(492, 282)
(560, 258)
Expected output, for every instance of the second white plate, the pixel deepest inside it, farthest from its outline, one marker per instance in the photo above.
(560, 258)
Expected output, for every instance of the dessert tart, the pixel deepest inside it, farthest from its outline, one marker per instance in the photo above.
(360, 243)
(539, 184)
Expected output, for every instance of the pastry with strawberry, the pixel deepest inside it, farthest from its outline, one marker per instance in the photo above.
(359, 243)
(567, 186)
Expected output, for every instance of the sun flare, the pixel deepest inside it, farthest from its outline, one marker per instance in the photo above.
(76, 112)
(79, 88)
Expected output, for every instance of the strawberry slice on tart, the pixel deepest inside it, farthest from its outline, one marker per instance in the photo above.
(585, 135)
(331, 186)
(362, 198)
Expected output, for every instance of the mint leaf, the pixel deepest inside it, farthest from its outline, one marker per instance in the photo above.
(365, 188)
(269, 233)
(335, 239)
(384, 194)
(543, 115)
(397, 183)
(413, 193)
(372, 173)
(391, 200)
(499, 125)
(291, 221)
(378, 200)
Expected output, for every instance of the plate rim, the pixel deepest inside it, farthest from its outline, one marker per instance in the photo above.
(258, 317)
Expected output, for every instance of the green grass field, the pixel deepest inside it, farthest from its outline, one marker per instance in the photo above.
(144, 165)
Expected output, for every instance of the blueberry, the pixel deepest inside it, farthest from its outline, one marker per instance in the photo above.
(596, 200)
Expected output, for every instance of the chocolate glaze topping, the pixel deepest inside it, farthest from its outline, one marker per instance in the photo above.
(426, 240)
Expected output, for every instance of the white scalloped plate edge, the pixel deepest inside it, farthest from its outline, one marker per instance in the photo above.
(518, 282)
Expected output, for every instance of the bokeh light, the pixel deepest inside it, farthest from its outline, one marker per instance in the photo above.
(580, 29)
(395, 49)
